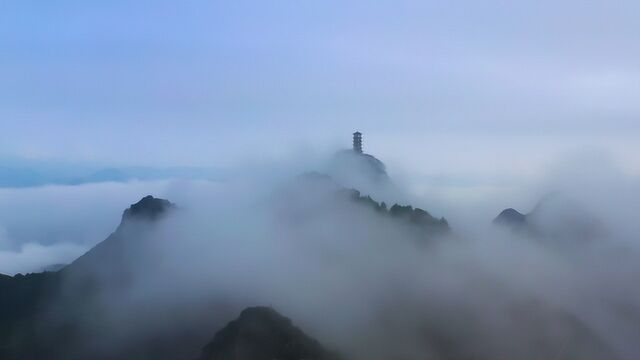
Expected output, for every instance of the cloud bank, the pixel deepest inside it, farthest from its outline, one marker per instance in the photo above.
(371, 286)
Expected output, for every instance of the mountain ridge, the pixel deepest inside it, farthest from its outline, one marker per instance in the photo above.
(261, 333)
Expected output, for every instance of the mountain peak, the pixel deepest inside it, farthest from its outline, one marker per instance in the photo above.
(261, 333)
(148, 208)
(511, 217)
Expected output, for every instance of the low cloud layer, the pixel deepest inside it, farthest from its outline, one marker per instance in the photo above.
(34, 257)
(371, 288)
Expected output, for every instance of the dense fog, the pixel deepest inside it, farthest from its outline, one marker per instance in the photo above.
(370, 286)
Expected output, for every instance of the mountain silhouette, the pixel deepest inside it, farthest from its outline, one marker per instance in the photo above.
(37, 310)
(326, 189)
(511, 217)
(261, 333)
(556, 219)
(45, 315)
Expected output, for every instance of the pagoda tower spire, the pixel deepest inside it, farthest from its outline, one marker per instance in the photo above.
(357, 142)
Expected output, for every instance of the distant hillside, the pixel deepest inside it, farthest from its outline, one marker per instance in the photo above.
(364, 172)
(351, 163)
(555, 219)
(37, 311)
(260, 333)
(512, 218)
(406, 213)
(326, 192)
(42, 314)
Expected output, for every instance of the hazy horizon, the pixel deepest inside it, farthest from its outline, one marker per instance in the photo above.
(466, 88)
(239, 113)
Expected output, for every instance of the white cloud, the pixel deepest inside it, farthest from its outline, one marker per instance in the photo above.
(33, 257)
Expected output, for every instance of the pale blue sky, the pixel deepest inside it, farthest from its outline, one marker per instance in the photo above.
(487, 86)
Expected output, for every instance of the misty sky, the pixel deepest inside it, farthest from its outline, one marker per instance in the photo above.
(474, 107)
(450, 87)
